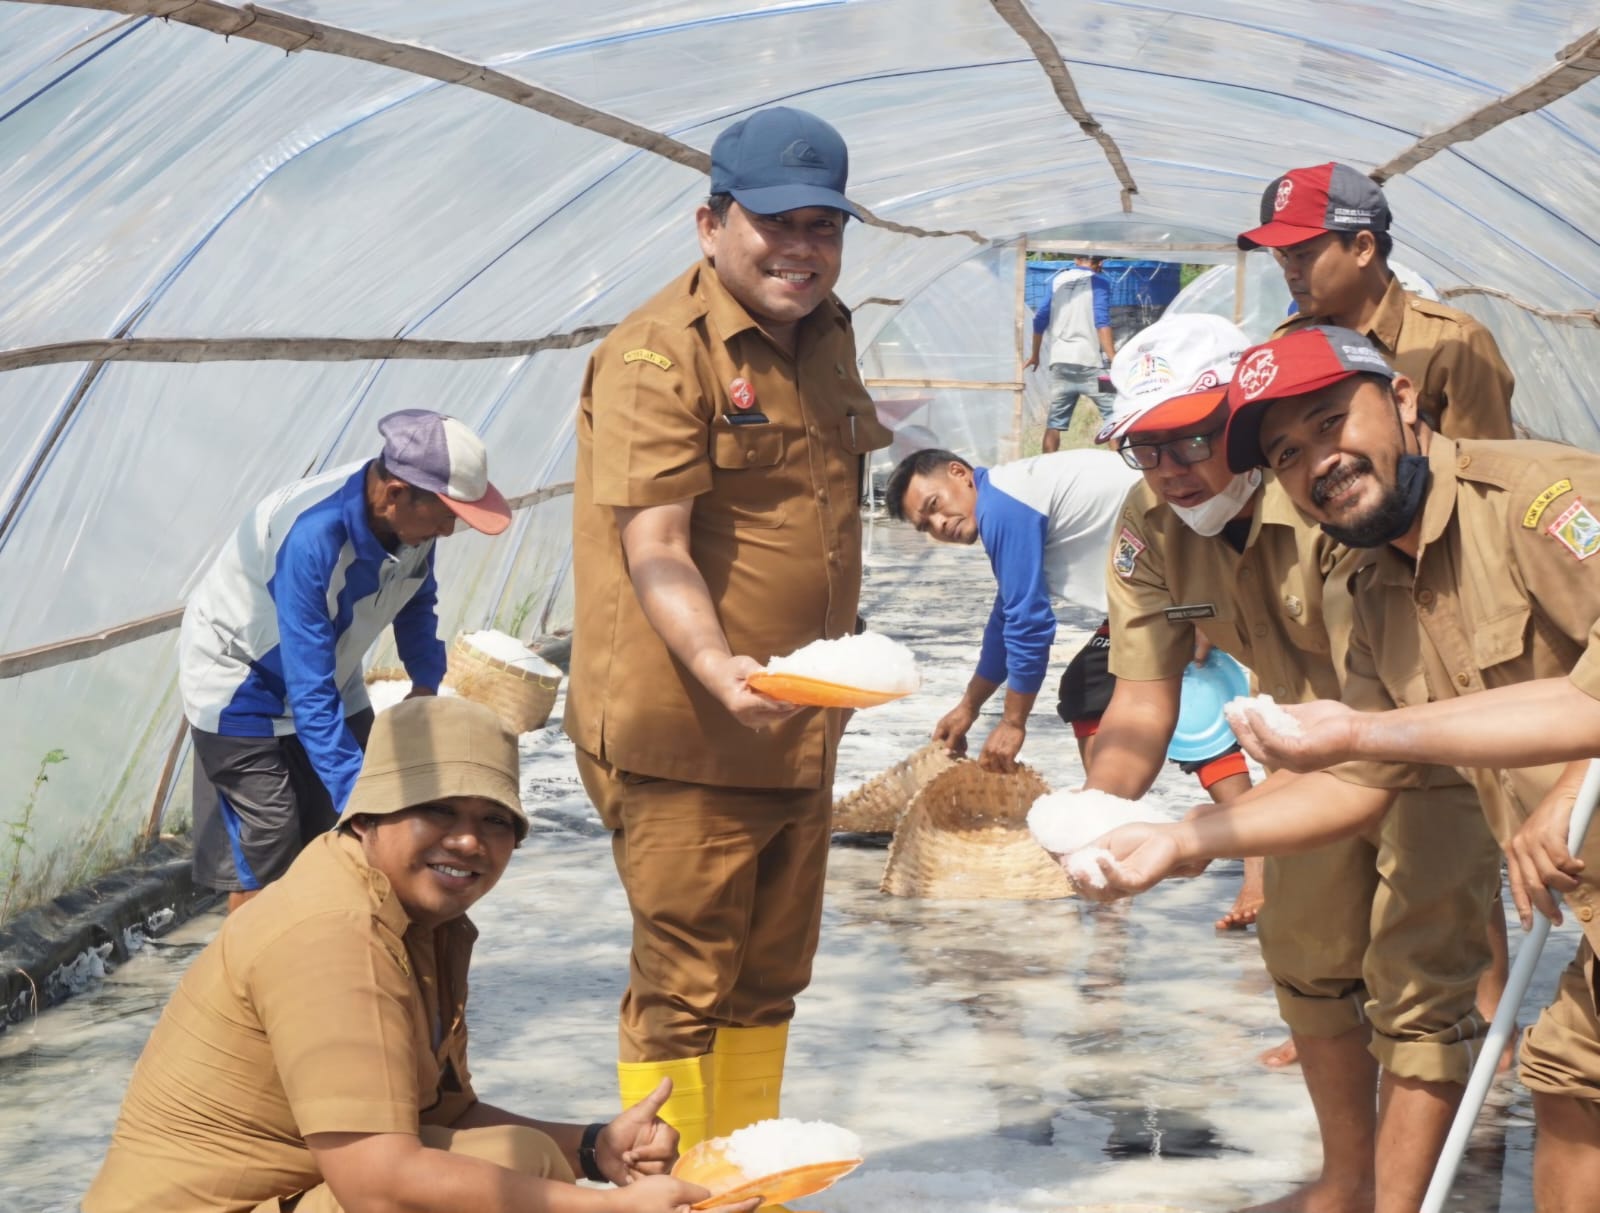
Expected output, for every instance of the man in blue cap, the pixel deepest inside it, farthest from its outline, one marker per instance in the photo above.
(716, 523)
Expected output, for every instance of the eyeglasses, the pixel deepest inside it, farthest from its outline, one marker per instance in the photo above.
(1146, 456)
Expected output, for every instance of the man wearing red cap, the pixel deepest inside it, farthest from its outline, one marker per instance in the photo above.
(716, 522)
(1480, 591)
(1374, 961)
(269, 658)
(1328, 226)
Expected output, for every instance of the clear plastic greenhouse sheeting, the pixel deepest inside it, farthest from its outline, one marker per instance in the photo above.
(164, 181)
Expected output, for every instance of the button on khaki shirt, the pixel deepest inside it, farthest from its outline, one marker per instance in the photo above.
(1462, 382)
(775, 529)
(1279, 607)
(1506, 588)
(314, 1010)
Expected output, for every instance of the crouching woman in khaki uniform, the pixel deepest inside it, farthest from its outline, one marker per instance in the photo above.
(314, 1057)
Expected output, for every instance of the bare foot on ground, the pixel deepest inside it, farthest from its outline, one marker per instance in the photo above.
(1280, 1057)
(1244, 909)
(1319, 1197)
(1252, 896)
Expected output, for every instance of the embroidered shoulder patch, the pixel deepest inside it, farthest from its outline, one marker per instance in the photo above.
(1577, 530)
(650, 356)
(1126, 553)
(1537, 505)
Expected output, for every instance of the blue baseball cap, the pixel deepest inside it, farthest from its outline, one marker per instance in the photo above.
(781, 159)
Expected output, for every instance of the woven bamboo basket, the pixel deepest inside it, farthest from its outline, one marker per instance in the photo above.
(965, 836)
(877, 805)
(522, 698)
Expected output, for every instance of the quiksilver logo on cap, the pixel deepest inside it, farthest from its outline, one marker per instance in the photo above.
(801, 154)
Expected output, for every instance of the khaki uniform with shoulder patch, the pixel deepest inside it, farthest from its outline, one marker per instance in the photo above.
(1505, 589)
(720, 833)
(1390, 927)
(319, 1008)
(1463, 384)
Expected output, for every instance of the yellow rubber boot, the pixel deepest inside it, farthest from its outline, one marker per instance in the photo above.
(747, 1072)
(688, 1108)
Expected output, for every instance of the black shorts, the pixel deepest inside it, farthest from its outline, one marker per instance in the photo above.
(257, 802)
(1086, 688)
(1087, 684)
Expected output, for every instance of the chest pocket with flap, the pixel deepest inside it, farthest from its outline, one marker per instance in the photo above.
(747, 492)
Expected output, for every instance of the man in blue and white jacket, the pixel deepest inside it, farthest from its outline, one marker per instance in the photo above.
(1045, 524)
(1076, 315)
(270, 655)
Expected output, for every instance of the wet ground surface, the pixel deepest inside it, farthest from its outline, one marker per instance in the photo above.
(994, 1056)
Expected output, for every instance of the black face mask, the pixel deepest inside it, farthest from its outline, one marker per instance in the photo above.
(1395, 513)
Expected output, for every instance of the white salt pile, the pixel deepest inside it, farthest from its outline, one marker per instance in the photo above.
(770, 1146)
(1064, 822)
(511, 651)
(1083, 865)
(384, 693)
(869, 661)
(1275, 718)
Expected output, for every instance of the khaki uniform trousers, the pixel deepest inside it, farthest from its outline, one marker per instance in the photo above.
(1561, 1051)
(515, 1147)
(725, 886)
(1389, 929)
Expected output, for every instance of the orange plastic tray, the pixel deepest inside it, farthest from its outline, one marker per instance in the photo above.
(814, 693)
(708, 1165)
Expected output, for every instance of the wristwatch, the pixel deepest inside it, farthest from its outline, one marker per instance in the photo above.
(586, 1153)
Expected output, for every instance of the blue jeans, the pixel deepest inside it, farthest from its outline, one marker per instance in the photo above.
(1067, 383)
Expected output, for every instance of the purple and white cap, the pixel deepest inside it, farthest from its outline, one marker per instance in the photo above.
(441, 455)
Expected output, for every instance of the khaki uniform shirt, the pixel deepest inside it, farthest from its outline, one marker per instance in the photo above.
(1462, 383)
(1273, 607)
(1506, 588)
(775, 530)
(315, 1010)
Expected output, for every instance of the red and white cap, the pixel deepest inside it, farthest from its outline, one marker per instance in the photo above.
(441, 455)
(1306, 202)
(1304, 360)
(1173, 374)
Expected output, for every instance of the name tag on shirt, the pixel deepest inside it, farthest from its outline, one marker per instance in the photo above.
(746, 418)
(1193, 610)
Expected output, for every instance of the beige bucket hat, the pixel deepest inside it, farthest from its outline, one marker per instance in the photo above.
(435, 746)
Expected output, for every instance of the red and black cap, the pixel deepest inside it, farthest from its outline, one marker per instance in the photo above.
(1306, 202)
(1305, 360)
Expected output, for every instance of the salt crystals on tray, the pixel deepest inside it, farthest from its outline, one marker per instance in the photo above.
(511, 651)
(770, 1146)
(1273, 715)
(869, 661)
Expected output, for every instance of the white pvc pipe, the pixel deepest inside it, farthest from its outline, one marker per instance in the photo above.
(1505, 1015)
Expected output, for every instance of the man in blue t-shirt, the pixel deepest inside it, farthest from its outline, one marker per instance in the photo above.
(1077, 316)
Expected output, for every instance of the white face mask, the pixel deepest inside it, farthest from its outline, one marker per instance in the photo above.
(1209, 517)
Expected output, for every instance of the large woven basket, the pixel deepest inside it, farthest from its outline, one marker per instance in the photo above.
(877, 805)
(522, 698)
(966, 836)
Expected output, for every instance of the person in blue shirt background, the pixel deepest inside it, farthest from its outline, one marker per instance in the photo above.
(1077, 316)
(270, 655)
